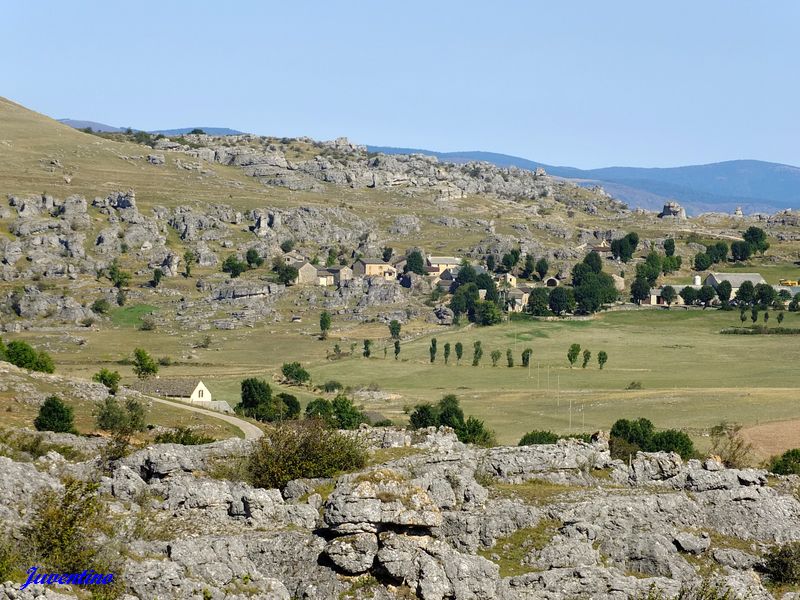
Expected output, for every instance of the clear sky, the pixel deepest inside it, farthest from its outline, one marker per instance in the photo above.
(581, 83)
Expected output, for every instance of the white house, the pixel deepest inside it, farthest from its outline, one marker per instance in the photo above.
(192, 391)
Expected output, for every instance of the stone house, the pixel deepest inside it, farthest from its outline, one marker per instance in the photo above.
(306, 274)
(324, 277)
(373, 267)
(340, 274)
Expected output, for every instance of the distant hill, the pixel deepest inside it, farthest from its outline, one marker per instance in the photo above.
(95, 126)
(754, 185)
(78, 124)
(208, 130)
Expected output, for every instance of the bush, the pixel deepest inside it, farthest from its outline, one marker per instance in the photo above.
(305, 449)
(634, 385)
(67, 531)
(56, 416)
(184, 436)
(24, 356)
(101, 306)
(345, 414)
(332, 386)
(533, 438)
(295, 373)
(783, 563)
(786, 464)
(320, 408)
(728, 443)
(148, 323)
(120, 419)
(448, 413)
(628, 437)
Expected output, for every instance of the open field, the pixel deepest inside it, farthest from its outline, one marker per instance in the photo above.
(692, 377)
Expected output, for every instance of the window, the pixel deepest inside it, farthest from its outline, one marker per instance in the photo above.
(199, 393)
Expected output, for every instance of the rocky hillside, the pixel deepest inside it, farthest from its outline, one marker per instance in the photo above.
(443, 520)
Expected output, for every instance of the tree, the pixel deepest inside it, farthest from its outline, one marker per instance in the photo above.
(108, 378)
(432, 349)
(587, 356)
(424, 415)
(345, 414)
(780, 318)
(287, 245)
(718, 252)
(594, 261)
(487, 313)
(189, 259)
(449, 413)
(640, 290)
(234, 266)
(509, 358)
(757, 239)
(702, 261)
(324, 324)
(56, 416)
(724, 291)
(602, 359)
(117, 276)
(745, 295)
(670, 264)
(197, 131)
(143, 364)
(742, 315)
(741, 251)
(561, 300)
(254, 393)
(158, 274)
(386, 253)
(526, 357)
(415, 263)
(446, 352)
(572, 354)
(754, 314)
(495, 356)
(396, 349)
(253, 259)
(541, 268)
(669, 294)
(766, 316)
(764, 294)
(491, 262)
(533, 438)
(466, 274)
(287, 274)
(689, 295)
(705, 295)
(295, 373)
(465, 299)
(320, 408)
(529, 267)
(394, 329)
(669, 247)
(122, 420)
(459, 352)
(477, 353)
(485, 282)
(539, 302)
(367, 348)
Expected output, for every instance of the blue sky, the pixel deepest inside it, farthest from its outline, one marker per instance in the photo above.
(581, 83)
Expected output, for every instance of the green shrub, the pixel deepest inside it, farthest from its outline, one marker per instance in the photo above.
(628, 437)
(184, 436)
(345, 414)
(24, 356)
(304, 449)
(295, 373)
(448, 413)
(56, 416)
(101, 306)
(786, 464)
(538, 437)
(67, 530)
(332, 386)
(783, 563)
(108, 378)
